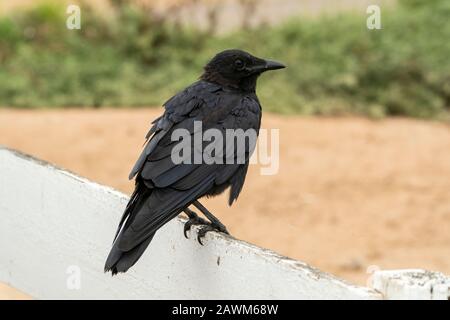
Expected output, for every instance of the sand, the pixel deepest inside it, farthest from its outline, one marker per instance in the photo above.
(351, 193)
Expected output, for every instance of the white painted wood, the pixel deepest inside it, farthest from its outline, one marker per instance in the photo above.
(53, 222)
(412, 284)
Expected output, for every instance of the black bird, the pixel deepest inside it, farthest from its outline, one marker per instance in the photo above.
(223, 98)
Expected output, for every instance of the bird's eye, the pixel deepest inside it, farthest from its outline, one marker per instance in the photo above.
(239, 64)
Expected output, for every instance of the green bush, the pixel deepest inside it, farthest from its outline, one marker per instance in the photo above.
(335, 64)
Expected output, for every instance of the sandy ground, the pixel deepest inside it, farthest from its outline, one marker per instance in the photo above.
(350, 193)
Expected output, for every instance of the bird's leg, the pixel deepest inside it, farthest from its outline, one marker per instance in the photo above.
(215, 224)
(194, 219)
(214, 221)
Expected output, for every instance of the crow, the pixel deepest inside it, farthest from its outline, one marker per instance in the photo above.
(223, 98)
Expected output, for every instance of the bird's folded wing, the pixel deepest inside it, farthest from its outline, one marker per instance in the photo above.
(177, 110)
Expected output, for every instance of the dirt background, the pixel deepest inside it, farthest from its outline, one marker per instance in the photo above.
(350, 192)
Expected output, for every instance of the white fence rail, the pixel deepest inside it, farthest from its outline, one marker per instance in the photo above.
(56, 229)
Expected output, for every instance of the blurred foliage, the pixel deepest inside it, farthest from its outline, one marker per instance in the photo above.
(134, 57)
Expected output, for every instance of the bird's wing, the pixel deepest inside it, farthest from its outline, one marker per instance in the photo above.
(174, 186)
(177, 110)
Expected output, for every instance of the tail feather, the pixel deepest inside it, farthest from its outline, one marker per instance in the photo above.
(121, 261)
(137, 199)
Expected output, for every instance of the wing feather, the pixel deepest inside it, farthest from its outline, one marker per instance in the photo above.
(175, 186)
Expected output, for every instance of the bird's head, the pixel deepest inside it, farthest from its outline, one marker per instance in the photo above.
(237, 69)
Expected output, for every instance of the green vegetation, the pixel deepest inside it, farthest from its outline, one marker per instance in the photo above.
(335, 65)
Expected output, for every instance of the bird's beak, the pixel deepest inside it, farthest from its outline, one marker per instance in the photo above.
(273, 65)
(267, 65)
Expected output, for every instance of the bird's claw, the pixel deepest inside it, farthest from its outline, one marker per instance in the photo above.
(193, 221)
(210, 227)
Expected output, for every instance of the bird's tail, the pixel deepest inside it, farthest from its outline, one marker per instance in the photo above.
(119, 260)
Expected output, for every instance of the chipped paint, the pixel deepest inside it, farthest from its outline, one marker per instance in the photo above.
(413, 284)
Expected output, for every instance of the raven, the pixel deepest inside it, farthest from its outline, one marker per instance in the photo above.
(223, 98)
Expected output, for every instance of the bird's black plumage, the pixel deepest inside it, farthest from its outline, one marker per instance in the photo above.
(224, 98)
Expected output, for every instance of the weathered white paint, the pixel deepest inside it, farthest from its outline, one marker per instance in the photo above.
(54, 223)
(413, 284)
(52, 219)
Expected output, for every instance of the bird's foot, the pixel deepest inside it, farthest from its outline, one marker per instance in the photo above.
(210, 227)
(194, 220)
